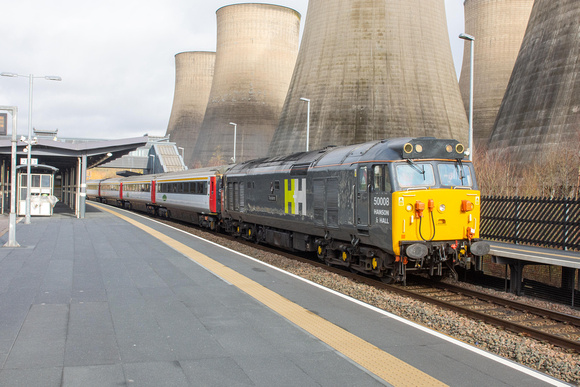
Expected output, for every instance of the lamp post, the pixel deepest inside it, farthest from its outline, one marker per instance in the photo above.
(235, 137)
(471, 40)
(28, 161)
(153, 163)
(12, 219)
(307, 122)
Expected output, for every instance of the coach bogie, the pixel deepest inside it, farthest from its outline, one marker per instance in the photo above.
(210, 222)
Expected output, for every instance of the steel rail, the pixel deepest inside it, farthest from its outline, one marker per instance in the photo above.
(505, 324)
(557, 316)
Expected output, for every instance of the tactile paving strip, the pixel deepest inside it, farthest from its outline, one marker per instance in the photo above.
(385, 366)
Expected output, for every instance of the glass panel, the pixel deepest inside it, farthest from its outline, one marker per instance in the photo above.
(35, 181)
(362, 179)
(23, 180)
(388, 187)
(378, 178)
(415, 175)
(454, 175)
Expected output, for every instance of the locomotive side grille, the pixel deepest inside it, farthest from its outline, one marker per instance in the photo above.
(332, 202)
(318, 204)
(230, 196)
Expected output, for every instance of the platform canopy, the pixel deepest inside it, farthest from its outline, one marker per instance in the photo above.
(64, 154)
(69, 159)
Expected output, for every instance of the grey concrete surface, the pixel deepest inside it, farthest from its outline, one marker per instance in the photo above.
(98, 302)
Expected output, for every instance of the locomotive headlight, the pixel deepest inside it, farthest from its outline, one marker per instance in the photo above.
(442, 208)
(409, 207)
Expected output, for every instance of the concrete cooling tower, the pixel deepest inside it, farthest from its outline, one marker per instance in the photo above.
(498, 27)
(372, 69)
(257, 45)
(541, 106)
(193, 79)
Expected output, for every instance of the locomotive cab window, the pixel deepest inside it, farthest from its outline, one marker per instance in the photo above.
(415, 174)
(381, 180)
(455, 175)
(362, 179)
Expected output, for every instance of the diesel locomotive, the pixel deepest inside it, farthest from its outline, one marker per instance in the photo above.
(382, 208)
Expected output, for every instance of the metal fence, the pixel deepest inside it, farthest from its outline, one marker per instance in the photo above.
(540, 222)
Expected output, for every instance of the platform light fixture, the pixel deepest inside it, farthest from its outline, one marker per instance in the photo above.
(235, 137)
(471, 40)
(154, 159)
(12, 218)
(307, 122)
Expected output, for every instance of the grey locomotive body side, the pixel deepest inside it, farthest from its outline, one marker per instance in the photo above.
(317, 201)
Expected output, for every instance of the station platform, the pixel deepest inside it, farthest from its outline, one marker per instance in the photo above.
(518, 256)
(118, 299)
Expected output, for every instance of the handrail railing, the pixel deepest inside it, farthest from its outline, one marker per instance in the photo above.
(544, 222)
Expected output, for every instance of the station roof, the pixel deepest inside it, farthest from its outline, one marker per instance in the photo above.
(63, 153)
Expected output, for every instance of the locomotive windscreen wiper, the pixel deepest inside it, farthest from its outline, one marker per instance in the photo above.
(416, 167)
(459, 165)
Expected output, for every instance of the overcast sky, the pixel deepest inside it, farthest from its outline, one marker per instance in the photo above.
(116, 59)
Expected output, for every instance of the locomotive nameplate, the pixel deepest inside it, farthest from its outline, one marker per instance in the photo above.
(272, 198)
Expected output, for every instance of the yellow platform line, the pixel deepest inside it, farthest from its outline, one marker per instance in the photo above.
(385, 366)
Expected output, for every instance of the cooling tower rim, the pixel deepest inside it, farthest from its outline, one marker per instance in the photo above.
(195, 52)
(267, 4)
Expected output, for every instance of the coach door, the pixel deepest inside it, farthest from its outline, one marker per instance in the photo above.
(362, 197)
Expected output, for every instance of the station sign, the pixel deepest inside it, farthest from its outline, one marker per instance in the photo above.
(24, 161)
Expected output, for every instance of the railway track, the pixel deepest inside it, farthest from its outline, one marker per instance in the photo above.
(552, 327)
(541, 324)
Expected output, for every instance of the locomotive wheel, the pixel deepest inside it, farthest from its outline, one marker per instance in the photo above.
(320, 252)
(389, 276)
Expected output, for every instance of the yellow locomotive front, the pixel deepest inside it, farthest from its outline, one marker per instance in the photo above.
(435, 211)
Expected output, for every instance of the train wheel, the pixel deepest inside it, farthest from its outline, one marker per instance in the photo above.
(389, 276)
